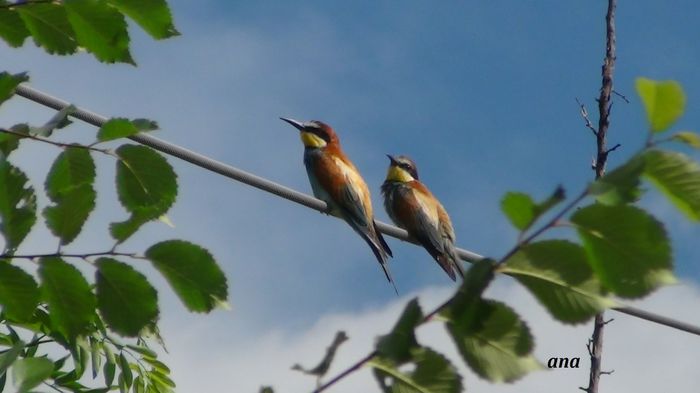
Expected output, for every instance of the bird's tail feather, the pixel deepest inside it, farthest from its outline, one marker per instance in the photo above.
(373, 240)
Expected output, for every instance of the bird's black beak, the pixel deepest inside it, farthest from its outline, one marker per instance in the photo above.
(392, 159)
(297, 124)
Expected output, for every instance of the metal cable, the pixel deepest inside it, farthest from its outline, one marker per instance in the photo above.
(285, 192)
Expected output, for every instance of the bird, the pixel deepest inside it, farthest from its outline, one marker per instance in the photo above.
(335, 180)
(413, 207)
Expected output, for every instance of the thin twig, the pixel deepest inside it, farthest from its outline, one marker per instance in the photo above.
(26, 3)
(61, 255)
(584, 114)
(58, 144)
(621, 96)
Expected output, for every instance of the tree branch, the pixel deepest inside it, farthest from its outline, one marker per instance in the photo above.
(61, 255)
(595, 346)
(584, 114)
(58, 144)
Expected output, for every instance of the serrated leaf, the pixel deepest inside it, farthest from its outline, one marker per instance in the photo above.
(664, 102)
(690, 138)
(12, 28)
(627, 248)
(19, 293)
(30, 372)
(678, 177)
(58, 120)
(125, 298)
(17, 205)
(146, 185)
(476, 280)
(69, 186)
(433, 373)
(620, 186)
(557, 274)
(192, 272)
(100, 29)
(9, 82)
(152, 15)
(494, 341)
(48, 25)
(522, 211)
(121, 128)
(397, 345)
(8, 143)
(68, 295)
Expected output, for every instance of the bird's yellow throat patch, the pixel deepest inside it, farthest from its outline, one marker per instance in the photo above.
(398, 174)
(312, 140)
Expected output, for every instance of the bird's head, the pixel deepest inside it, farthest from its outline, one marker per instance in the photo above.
(314, 134)
(401, 169)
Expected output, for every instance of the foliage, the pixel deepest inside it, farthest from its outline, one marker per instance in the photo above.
(47, 301)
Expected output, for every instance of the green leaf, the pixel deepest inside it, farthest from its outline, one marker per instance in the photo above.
(121, 128)
(17, 205)
(95, 356)
(9, 82)
(476, 280)
(126, 370)
(664, 102)
(126, 300)
(267, 389)
(29, 373)
(70, 299)
(8, 357)
(101, 29)
(433, 373)
(19, 293)
(494, 341)
(397, 345)
(558, 275)
(49, 27)
(690, 138)
(8, 144)
(69, 186)
(152, 15)
(147, 352)
(58, 120)
(627, 248)
(621, 185)
(12, 28)
(522, 211)
(191, 272)
(108, 370)
(676, 176)
(146, 185)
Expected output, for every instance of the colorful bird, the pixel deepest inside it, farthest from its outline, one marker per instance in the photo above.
(335, 180)
(413, 207)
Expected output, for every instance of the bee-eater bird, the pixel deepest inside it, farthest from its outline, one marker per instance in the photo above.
(335, 180)
(413, 207)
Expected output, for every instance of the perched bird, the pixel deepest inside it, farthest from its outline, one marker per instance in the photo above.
(335, 180)
(414, 208)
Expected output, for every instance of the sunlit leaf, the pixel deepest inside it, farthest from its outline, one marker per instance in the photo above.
(8, 357)
(68, 295)
(522, 210)
(30, 372)
(621, 185)
(627, 248)
(678, 177)
(557, 274)
(152, 15)
(664, 102)
(19, 293)
(17, 205)
(100, 29)
(49, 27)
(125, 298)
(192, 272)
(121, 128)
(691, 139)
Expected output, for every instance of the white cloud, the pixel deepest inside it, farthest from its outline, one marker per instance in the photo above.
(645, 356)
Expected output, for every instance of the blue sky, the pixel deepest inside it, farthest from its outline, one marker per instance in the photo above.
(480, 94)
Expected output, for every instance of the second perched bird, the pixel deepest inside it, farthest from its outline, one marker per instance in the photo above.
(335, 180)
(414, 208)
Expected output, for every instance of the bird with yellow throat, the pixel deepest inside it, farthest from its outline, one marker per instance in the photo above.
(413, 207)
(335, 180)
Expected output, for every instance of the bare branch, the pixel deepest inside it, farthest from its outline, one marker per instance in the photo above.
(621, 96)
(57, 144)
(584, 114)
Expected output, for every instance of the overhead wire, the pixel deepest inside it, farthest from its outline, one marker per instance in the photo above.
(282, 191)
